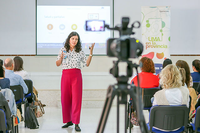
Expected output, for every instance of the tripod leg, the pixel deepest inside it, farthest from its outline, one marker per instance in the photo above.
(130, 126)
(117, 114)
(139, 108)
(111, 92)
(126, 123)
(128, 117)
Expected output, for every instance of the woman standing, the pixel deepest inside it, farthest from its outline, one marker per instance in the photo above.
(70, 57)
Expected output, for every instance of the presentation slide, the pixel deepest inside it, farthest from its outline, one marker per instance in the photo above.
(55, 23)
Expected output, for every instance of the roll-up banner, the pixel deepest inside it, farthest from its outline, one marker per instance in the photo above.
(156, 34)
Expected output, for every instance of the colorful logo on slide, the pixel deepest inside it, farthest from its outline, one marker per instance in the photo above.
(49, 26)
(62, 27)
(74, 26)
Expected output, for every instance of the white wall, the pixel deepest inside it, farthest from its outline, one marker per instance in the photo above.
(185, 18)
(46, 75)
(17, 22)
(17, 27)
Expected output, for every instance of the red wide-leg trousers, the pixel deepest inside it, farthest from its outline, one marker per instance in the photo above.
(71, 95)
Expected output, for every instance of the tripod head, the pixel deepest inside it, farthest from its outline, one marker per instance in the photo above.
(129, 70)
(124, 47)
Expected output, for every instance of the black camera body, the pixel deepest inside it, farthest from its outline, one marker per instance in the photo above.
(124, 47)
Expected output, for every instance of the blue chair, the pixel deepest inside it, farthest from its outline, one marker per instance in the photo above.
(19, 98)
(168, 119)
(196, 125)
(18, 92)
(29, 96)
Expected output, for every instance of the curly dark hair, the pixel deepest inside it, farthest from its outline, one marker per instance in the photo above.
(78, 46)
(196, 64)
(147, 65)
(18, 61)
(184, 64)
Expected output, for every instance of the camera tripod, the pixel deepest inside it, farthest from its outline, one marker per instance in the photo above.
(122, 89)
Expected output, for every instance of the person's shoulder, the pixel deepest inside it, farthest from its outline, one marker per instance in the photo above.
(25, 72)
(17, 76)
(160, 91)
(82, 52)
(192, 73)
(63, 49)
(6, 79)
(184, 88)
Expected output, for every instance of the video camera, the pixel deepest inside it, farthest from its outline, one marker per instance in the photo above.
(124, 47)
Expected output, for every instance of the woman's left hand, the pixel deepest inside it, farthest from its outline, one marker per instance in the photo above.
(91, 48)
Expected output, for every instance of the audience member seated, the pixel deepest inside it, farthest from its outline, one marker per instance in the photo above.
(1, 62)
(189, 82)
(4, 82)
(18, 69)
(8, 94)
(193, 113)
(192, 92)
(166, 62)
(14, 78)
(173, 93)
(4, 104)
(184, 64)
(146, 77)
(196, 68)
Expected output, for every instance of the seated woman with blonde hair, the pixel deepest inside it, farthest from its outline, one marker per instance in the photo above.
(173, 93)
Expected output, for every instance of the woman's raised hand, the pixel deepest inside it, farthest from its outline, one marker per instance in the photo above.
(91, 48)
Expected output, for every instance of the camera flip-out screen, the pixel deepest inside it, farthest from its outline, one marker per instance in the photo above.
(95, 25)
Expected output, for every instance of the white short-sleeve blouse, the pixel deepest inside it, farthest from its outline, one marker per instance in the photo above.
(72, 59)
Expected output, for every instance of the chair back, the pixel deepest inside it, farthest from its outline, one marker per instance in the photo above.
(195, 86)
(29, 95)
(197, 119)
(18, 92)
(3, 121)
(147, 94)
(7, 113)
(168, 117)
